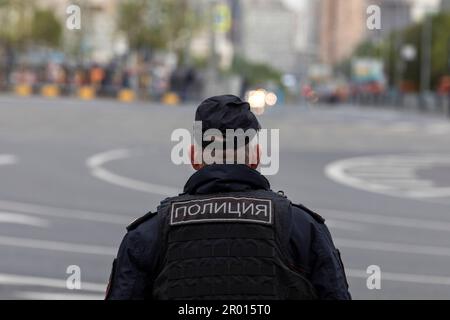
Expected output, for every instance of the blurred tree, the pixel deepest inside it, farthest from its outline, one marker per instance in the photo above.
(23, 24)
(16, 17)
(371, 49)
(409, 70)
(255, 73)
(157, 24)
(440, 50)
(46, 28)
(391, 51)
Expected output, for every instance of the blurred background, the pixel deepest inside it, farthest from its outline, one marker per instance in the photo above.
(91, 90)
(183, 50)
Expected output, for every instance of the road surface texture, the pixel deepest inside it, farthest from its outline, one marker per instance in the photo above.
(73, 174)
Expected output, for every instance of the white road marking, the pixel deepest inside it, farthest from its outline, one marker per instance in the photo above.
(31, 281)
(441, 192)
(32, 295)
(387, 220)
(65, 213)
(17, 218)
(402, 277)
(392, 247)
(405, 127)
(96, 162)
(402, 127)
(20, 280)
(336, 217)
(404, 182)
(438, 129)
(110, 218)
(57, 246)
(344, 225)
(110, 251)
(6, 159)
(382, 174)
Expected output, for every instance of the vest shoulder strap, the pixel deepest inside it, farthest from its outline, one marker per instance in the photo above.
(140, 220)
(149, 215)
(313, 214)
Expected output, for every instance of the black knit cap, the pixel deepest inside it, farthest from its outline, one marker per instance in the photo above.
(226, 112)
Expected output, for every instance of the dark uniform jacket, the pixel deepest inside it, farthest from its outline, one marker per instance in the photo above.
(309, 246)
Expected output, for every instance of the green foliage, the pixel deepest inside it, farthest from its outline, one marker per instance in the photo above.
(156, 24)
(15, 17)
(440, 51)
(46, 28)
(389, 50)
(410, 69)
(22, 24)
(255, 73)
(369, 49)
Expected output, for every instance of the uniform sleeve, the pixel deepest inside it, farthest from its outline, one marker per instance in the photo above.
(327, 270)
(132, 272)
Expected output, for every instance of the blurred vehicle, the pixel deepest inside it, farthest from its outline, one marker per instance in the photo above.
(368, 88)
(368, 78)
(444, 86)
(333, 91)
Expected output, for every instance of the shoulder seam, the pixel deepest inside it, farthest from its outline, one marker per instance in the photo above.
(133, 225)
(317, 217)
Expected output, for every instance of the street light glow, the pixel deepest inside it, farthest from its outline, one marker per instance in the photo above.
(257, 99)
(271, 99)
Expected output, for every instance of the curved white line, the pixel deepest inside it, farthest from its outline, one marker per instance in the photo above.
(6, 159)
(57, 246)
(65, 213)
(34, 295)
(96, 162)
(110, 251)
(393, 175)
(438, 129)
(20, 280)
(386, 220)
(345, 225)
(392, 247)
(401, 277)
(17, 218)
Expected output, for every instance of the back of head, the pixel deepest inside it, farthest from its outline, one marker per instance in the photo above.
(225, 130)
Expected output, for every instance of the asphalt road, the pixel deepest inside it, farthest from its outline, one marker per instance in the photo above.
(74, 174)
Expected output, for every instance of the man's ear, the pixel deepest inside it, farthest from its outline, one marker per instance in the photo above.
(197, 165)
(257, 151)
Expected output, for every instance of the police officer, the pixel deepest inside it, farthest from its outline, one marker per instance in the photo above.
(228, 235)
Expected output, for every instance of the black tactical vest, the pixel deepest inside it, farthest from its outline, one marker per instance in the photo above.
(227, 246)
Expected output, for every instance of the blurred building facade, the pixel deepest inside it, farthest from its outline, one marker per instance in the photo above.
(445, 5)
(97, 39)
(395, 15)
(342, 27)
(270, 32)
(289, 35)
(420, 8)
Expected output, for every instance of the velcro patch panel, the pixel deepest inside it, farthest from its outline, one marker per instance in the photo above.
(223, 209)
